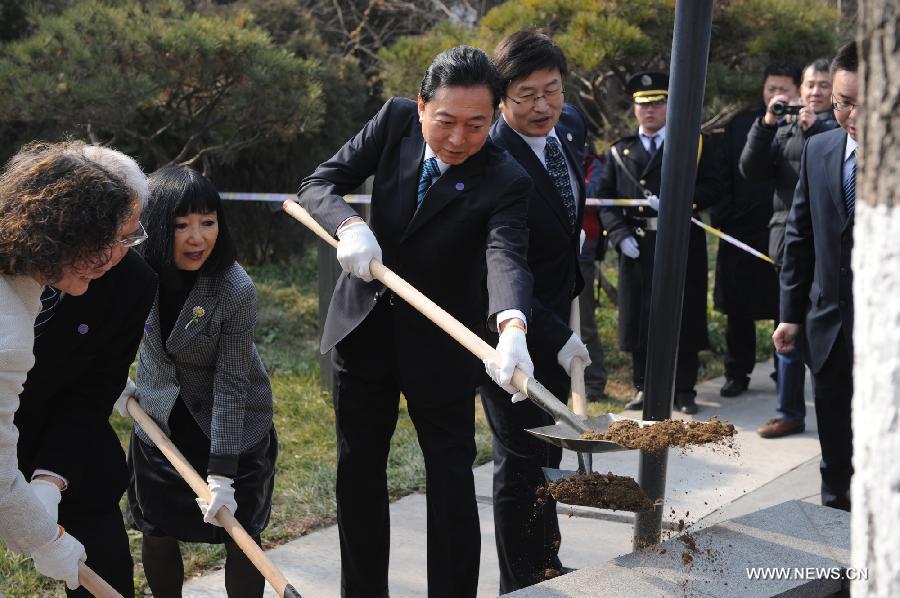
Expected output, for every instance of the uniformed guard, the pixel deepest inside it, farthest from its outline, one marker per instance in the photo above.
(634, 171)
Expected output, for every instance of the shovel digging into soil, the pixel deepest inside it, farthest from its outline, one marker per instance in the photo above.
(579, 404)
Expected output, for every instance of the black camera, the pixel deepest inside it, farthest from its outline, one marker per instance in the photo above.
(781, 108)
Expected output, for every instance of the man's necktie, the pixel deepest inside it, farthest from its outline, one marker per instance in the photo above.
(559, 174)
(850, 185)
(429, 171)
(652, 149)
(49, 300)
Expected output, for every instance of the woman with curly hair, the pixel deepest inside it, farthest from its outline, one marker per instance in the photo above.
(64, 219)
(201, 378)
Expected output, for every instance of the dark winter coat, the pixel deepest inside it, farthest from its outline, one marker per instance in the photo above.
(635, 275)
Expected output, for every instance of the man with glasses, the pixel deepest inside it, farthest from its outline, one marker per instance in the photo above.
(634, 171)
(772, 153)
(83, 348)
(817, 280)
(546, 137)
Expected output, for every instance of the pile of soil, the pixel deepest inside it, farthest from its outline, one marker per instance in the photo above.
(603, 491)
(665, 434)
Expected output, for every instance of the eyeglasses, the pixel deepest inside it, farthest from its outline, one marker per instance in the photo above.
(840, 106)
(134, 239)
(532, 101)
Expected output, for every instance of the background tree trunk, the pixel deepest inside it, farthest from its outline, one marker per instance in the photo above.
(876, 265)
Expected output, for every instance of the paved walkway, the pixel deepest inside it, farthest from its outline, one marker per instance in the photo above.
(704, 486)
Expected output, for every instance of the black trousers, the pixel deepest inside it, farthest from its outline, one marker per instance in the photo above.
(367, 389)
(527, 535)
(686, 370)
(833, 391)
(106, 544)
(740, 347)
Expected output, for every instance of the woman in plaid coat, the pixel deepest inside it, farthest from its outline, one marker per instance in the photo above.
(201, 379)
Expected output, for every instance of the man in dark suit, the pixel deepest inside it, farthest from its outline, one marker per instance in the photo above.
(448, 210)
(634, 170)
(546, 137)
(817, 281)
(83, 348)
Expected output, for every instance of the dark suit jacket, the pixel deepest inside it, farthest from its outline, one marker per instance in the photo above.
(552, 242)
(816, 279)
(472, 221)
(635, 275)
(82, 361)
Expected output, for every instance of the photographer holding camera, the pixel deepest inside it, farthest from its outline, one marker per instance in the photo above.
(772, 152)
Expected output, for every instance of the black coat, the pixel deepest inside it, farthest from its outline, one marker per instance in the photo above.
(81, 363)
(773, 153)
(746, 286)
(816, 278)
(472, 224)
(552, 241)
(635, 275)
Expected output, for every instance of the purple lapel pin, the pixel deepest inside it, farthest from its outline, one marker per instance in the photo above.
(83, 329)
(460, 186)
(148, 328)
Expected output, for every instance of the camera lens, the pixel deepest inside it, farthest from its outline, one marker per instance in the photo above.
(779, 108)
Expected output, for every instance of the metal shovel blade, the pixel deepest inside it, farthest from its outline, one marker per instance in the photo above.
(585, 465)
(563, 435)
(551, 475)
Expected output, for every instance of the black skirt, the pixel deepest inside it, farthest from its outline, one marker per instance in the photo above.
(160, 502)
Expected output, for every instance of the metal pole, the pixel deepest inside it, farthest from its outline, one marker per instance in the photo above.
(687, 79)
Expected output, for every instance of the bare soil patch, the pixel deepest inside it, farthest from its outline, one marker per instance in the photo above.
(666, 434)
(603, 491)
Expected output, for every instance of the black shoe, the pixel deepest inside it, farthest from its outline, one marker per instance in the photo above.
(685, 401)
(734, 387)
(637, 402)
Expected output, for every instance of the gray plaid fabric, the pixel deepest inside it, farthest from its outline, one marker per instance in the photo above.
(211, 361)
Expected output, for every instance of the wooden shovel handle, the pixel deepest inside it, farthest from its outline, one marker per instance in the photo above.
(225, 517)
(95, 584)
(579, 394)
(446, 322)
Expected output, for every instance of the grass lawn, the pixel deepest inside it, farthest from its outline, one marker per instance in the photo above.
(304, 484)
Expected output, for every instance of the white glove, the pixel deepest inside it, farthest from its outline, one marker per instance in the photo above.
(572, 349)
(221, 490)
(357, 246)
(653, 200)
(49, 495)
(129, 391)
(582, 237)
(59, 559)
(513, 350)
(629, 247)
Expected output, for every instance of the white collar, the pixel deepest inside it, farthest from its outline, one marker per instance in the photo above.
(850, 147)
(442, 166)
(661, 134)
(538, 144)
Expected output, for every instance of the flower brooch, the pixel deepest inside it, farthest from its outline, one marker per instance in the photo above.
(197, 313)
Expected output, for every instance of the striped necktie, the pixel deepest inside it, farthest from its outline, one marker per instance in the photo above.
(559, 174)
(850, 185)
(50, 299)
(429, 171)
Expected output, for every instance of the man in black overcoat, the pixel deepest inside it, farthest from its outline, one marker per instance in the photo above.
(634, 171)
(746, 287)
(449, 210)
